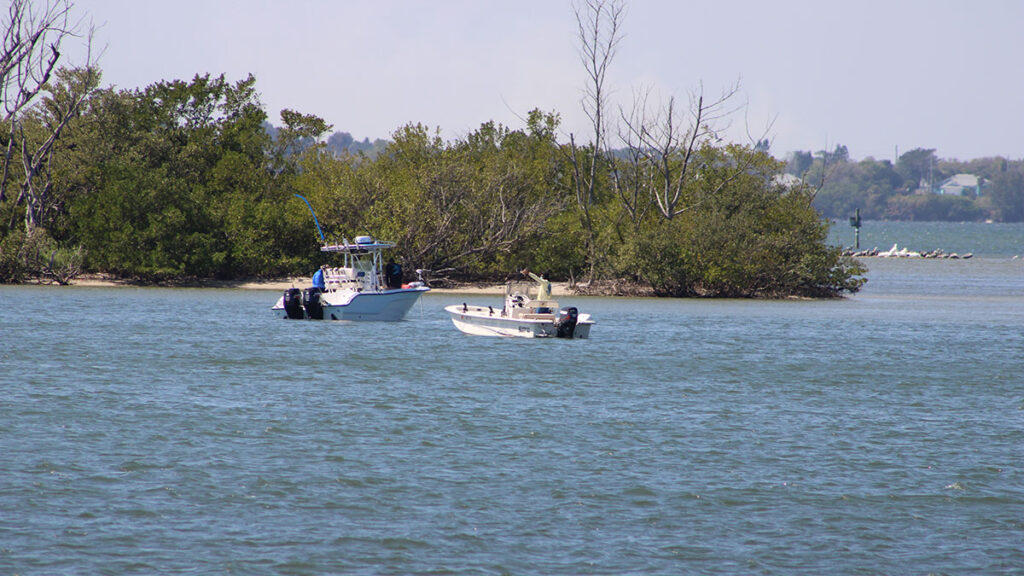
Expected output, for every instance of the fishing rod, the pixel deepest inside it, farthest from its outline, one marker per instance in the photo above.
(315, 221)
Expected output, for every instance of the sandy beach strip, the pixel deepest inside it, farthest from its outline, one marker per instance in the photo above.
(282, 284)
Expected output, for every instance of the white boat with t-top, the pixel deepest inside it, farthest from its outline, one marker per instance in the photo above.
(360, 289)
(523, 316)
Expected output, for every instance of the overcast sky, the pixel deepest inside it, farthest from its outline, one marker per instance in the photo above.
(874, 75)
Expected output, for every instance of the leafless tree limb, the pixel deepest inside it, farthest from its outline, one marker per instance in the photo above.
(29, 56)
(658, 140)
(599, 32)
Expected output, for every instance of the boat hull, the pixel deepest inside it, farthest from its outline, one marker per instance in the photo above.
(384, 306)
(479, 323)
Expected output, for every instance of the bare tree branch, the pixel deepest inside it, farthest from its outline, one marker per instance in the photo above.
(29, 56)
(660, 142)
(599, 31)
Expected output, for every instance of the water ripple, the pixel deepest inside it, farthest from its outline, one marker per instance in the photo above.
(865, 435)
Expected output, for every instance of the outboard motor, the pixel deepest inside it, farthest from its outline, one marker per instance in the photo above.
(566, 322)
(293, 304)
(311, 301)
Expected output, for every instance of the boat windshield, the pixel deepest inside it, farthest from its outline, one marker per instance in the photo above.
(528, 290)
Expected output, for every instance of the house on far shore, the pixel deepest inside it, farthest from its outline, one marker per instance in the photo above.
(961, 185)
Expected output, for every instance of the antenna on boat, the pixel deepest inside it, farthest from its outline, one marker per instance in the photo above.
(315, 221)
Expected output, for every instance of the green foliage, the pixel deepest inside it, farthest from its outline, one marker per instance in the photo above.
(295, 140)
(14, 264)
(916, 166)
(464, 209)
(751, 239)
(907, 191)
(36, 256)
(866, 185)
(179, 184)
(932, 207)
(558, 253)
(1007, 195)
(799, 163)
(181, 180)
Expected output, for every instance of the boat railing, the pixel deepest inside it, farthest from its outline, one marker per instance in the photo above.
(336, 278)
(336, 275)
(358, 247)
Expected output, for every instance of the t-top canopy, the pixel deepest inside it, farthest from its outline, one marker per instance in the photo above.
(362, 245)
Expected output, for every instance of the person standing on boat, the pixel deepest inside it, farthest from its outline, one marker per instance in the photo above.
(318, 278)
(543, 289)
(393, 275)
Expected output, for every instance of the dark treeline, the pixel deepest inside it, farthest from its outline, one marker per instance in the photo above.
(909, 189)
(182, 180)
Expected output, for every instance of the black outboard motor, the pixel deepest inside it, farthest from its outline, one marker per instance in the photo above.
(293, 304)
(311, 301)
(566, 322)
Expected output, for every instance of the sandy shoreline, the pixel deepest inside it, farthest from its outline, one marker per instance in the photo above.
(282, 284)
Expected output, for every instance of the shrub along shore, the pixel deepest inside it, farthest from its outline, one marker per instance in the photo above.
(186, 180)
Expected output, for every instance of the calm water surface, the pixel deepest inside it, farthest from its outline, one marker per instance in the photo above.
(992, 240)
(175, 431)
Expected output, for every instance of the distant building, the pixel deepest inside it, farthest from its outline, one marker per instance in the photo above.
(961, 185)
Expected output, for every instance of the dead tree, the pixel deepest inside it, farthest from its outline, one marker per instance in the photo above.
(599, 26)
(31, 50)
(661, 148)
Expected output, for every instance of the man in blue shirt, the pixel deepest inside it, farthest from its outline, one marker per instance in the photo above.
(318, 279)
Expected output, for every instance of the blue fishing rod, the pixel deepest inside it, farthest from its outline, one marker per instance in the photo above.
(315, 221)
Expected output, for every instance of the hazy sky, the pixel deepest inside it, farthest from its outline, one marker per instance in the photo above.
(877, 76)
